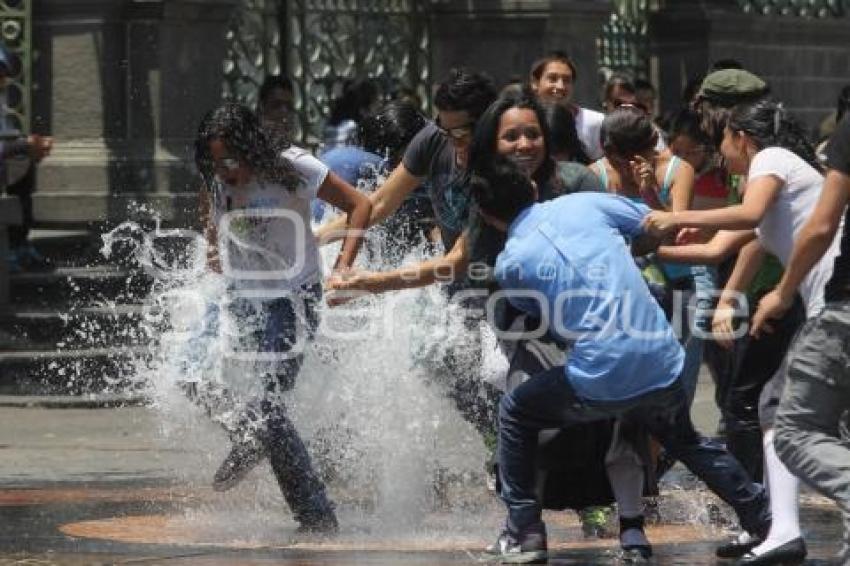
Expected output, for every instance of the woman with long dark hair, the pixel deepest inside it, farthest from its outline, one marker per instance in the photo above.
(784, 183)
(256, 207)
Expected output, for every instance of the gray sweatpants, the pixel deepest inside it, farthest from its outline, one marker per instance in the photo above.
(811, 423)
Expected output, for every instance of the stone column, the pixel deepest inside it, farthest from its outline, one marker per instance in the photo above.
(121, 85)
(504, 37)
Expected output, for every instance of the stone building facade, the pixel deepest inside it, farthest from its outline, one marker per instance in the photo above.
(121, 84)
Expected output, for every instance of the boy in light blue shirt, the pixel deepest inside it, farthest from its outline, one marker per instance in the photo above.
(566, 262)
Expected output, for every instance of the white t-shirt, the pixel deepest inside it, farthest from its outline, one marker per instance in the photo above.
(264, 235)
(588, 125)
(800, 191)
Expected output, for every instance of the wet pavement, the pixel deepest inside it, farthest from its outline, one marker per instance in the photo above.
(99, 486)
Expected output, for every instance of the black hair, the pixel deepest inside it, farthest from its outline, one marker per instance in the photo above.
(357, 97)
(686, 122)
(501, 189)
(627, 130)
(843, 104)
(552, 57)
(562, 133)
(484, 140)
(239, 129)
(271, 83)
(621, 80)
(464, 90)
(768, 124)
(643, 84)
(388, 131)
(722, 64)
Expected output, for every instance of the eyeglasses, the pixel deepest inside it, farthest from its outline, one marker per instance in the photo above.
(458, 132)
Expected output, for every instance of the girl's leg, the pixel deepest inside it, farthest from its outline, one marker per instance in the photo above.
(784, 490)
(626, 474)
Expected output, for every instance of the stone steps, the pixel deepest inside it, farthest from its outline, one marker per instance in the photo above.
(73, 330)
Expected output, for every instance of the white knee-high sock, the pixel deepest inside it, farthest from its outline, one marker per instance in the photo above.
(784, 489)
(626, 479)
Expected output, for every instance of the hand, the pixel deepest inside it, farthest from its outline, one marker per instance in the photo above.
(644, 175)
(39, 146)
(688, 236)
(771, 306)
(659, 222)
(722, 326)
(346, 285)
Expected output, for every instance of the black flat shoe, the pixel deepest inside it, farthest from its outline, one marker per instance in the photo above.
(792, 552)
(735, 548)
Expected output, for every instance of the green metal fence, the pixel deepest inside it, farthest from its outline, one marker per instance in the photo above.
(16, 34)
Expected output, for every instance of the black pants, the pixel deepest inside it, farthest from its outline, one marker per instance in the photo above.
(23, 189)
(744, 371)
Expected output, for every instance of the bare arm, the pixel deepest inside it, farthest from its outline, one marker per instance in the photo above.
(759, 196)
(720, 247)
(357, 209)
(448, 267)
(749, 261)
(386, 200)
(205, 211)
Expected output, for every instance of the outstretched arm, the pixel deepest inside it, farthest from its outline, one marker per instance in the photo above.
(448, 267)
(758, 197)
(715, 251)
(357, 209)
(386, 200)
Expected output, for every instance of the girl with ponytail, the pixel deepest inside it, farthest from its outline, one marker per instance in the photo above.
(763, 142)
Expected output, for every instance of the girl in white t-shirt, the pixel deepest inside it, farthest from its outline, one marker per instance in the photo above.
(783, 186)
(256, 207)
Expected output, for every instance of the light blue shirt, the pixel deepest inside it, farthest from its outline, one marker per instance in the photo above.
(566, 262)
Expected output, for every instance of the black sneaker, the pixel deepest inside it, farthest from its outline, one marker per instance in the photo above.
(324, 526)
(635, 545)
(243, 457)
(527, 548)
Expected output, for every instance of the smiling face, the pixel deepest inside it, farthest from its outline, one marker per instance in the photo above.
(227, 168)
(555, 83)
(734, 149)
(520, 138)
(695, 153)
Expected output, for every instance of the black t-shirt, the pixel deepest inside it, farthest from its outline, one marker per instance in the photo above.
(430, 155)
(838, 158)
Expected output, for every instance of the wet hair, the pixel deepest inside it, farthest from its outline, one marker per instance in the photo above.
(643, 84)
(485, 139)
(618, 80)
(768, 124)
(464, 90)
(539, 66)
(627, 130)
(843, 104)
(388, 131)
(501, 189)
(239, 129)
(686, 122)
(357, 97)
(271, 83)
(563, 134)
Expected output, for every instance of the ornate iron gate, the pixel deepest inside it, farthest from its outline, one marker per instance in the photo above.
(16, 34)
(802, 8)
(624, 44)
(320, 44)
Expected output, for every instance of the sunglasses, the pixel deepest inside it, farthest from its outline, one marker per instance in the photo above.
(458, 132)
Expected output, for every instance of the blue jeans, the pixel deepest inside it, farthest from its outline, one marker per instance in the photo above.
(280, 324)
(548, 401)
